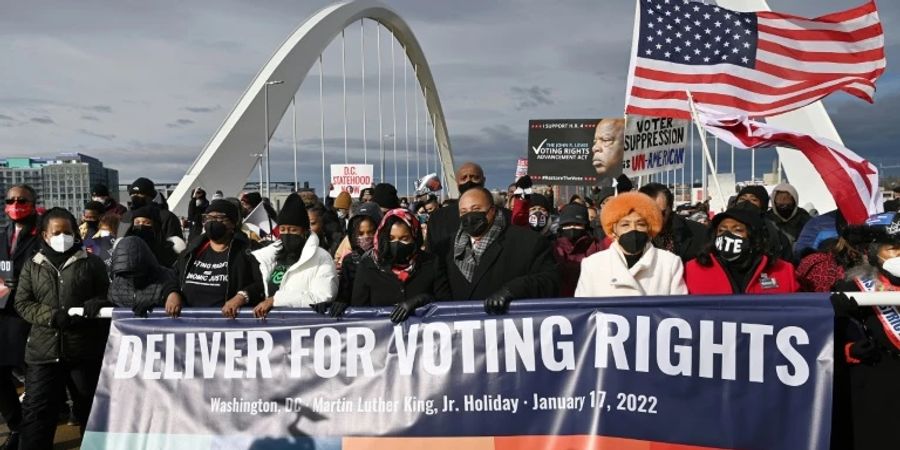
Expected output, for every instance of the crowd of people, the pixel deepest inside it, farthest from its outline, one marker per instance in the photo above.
(378, 249)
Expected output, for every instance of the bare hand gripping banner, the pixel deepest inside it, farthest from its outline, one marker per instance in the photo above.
(657, 373)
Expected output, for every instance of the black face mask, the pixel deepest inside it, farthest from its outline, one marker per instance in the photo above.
(145, 233)
(293, 243)
(92, 226)
(785, 211)
(634, 241)
(474, 223)
(573, 234)
(731, 246)
(216, 231)
(746, 204)
(400, 252)
(138, 201)
(466, 186)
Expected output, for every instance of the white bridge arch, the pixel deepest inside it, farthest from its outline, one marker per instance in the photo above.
(223, 163)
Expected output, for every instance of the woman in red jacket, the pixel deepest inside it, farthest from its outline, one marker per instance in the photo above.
(738, 260)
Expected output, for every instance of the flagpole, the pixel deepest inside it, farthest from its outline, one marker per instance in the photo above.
(752, 164)
(704, 145)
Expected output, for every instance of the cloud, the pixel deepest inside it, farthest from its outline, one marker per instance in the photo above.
(107, 137)
(202, 109)
(99, 108)
(90, 117)
(531, 97)
(42, 120)
(180, 123)
(5, 117)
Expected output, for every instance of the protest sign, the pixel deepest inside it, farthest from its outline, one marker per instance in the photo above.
(6, 273)
(578, 152)
(521, 168)
(672, 372)
(351, 178)
(654, 145)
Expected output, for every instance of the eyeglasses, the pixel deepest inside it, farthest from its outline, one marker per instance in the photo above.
(19, 200)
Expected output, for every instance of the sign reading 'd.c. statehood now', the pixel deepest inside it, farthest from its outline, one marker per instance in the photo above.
(654, 145)
(703, 373)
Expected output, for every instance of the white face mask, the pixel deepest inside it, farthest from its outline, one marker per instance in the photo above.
(104, 233)
(892, 266)
(62, 242)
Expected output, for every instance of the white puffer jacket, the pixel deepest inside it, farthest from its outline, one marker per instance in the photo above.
(312, 279)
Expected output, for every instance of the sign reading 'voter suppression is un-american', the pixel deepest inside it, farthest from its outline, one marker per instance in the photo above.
(703, 373)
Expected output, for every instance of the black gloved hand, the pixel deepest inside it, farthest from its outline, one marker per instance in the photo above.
(321, 307)
(337, 309)
(142, 310)
(403, 309)
(61, 320)
(92, 307)
(865, 351)
(524, 182)
(843, 305)
(498, 302)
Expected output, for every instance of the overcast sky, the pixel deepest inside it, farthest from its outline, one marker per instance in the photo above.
(144, 85)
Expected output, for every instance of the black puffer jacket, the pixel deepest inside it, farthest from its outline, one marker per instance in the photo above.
(137, 278)
(42, 290)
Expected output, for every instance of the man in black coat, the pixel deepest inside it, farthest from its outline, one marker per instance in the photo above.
(680, 236)
(142, 192)
(19, 242)
(492, 261)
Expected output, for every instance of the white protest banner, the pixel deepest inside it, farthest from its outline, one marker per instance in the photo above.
(654, 145)
(351, 178)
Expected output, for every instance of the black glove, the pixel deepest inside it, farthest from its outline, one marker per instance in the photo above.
(524, 182)
(498, 302)
(403, 309)
(843, 305)
(142, 310)
(865, 351)
(62, 320)
(337, 309)
(92, 307)
(321, 308)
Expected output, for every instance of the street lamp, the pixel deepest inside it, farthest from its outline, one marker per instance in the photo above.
(266, 124)
(259, 157)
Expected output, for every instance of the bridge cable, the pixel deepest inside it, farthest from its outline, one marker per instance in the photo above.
(362, 55)
(380, 123)
(416, 103)
(394, 107)
(344, 80)
(406, 112)
(322, 121)
(294, 137)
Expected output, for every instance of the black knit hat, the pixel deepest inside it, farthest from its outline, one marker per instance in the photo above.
(573, 213)
(293, 212)
(142, 186)
(100, 190)
(224, 207)
(745, 215)
(365, 191)
(147, 212)
(540, 200)
(759, 192)
(95, 206)
(385, 194)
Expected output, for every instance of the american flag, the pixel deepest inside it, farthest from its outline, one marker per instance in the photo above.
(757, 64)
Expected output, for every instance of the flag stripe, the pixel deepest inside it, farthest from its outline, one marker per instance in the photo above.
(840, 16)
(789, 23)
(820, 35)
(821, 69)
(816, 46)
(737, 87)
(808, 56)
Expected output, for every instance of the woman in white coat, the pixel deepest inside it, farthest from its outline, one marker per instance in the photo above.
(631, 266)
(296, 271)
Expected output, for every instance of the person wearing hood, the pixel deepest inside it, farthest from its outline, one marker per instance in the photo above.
(19, 242)
(738, 259)
(631, 266)
(341, 207)
(143, 192)
(786, 213)
(361, 240)
(574, 242)
(397, 271)
(62, 350)
(217, 269)
(296, 272)
(139, 282)
(758, 197)
(146, 224)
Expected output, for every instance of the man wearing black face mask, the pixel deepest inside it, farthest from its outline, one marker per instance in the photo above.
(575, 242)
(756, 198)
(785, 213)
(296, 272)
(142, 192)
(495, 262)
(444, 222)
(90, 220)
(217, 269)
(146, 226)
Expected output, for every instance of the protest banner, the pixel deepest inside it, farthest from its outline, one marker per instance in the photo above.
(351, 178)
(654, 372)
(576, 152)
(521, 168)
(654, 145)
(6, 273)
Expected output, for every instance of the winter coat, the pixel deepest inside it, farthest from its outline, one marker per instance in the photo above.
(793, 225)
(810, 232)
(169, 226)
(379, 286)
(132, 260)
(443, 225)
(519, 260)
(14, 330)
(43, 290)
(606, 274)
(714, 280)
(349, 267)
(818, 272)
(568, 256)
(312, 279)
(689, 237)
(243, 269)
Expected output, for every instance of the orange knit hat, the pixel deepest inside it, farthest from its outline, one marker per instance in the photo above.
(626, 203)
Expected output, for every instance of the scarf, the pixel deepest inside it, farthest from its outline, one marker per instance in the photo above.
(467, 255)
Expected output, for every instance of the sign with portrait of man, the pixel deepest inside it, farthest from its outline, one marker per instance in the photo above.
(580, 152)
